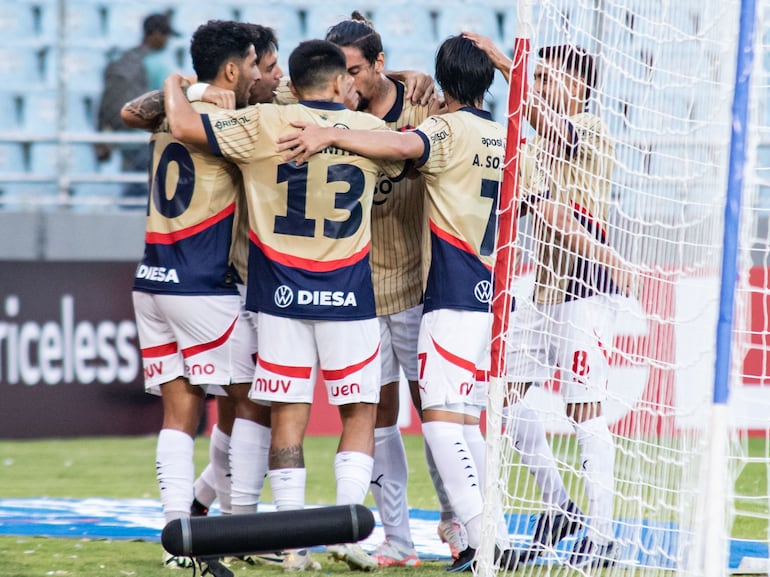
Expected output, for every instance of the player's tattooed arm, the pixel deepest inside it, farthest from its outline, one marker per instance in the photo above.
(145, 112)
(287, 458)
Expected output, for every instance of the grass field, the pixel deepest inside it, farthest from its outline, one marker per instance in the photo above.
(123, 468)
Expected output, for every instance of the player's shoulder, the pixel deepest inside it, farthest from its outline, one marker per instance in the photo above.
(355, 119)
(588, 121)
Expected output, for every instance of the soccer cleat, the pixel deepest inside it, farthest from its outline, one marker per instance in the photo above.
(299, 560)
(552, 526)
(275, 558)
(198, 509)
(394, 554)
(453, 533)
(353, 555)
(587, 553)
(464, 561)
(176, 562)
(213, 566)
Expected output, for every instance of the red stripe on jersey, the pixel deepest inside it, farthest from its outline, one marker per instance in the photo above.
(338, 374)
(160, 351)
(308, 263)
(454, 359)
(285, 370)
(177, 235)
(577, 208)
(195, 349)
(454, 241)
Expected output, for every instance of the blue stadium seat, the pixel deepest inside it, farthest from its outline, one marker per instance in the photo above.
(280, 16)
(17, 20)
(322, 16)
(86, 22)
(10, 111)
(124, 22)
(82, 108)
(84, 67)
(421, 58)
(479, 18)
(13, 157)
(81, 159)
(40, 115)
(404, 29)
(26, 66)
(187, 16)
(44, 160)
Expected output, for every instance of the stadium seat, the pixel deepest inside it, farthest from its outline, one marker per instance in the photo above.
(187, 16)
(86, 22)
(479, 18)
(13, 157)
(124, 22)
(44, 160)
(81, 108)
(84, 66)
(283, 18)
(10, 111)
(40, 115)
(26, 66)
(17, 20)
(81, 159)
(322, 16)
(406, 27)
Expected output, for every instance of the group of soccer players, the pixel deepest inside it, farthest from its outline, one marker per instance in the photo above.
(355, 271)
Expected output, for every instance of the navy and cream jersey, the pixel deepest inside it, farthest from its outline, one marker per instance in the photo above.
(397, 224)
(310, 230)
(462, 167)
(190, 216)
(576, 176)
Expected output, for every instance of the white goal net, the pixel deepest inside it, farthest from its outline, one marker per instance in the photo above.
(665, 76)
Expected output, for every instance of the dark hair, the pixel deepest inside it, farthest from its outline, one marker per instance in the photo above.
(160, 22)
(216, 42)
(575, 59)
(359, 33)
(463, 70)
(314, 62)
(265, 39)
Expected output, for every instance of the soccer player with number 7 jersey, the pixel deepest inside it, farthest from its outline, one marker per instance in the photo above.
(309, 279)
(460, 154)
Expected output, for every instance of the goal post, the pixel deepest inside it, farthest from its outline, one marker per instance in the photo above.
(666, 82)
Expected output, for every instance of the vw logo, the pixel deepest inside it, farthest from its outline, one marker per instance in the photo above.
(283, 296)
(483, 291)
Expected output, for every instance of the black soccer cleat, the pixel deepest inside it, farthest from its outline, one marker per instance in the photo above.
(213, 567)
(553, 526)
(198, 509)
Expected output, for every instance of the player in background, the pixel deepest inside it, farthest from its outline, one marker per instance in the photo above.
(566, 174)
(460, 155)
(396, 261)
(185, 294)
(310, 236)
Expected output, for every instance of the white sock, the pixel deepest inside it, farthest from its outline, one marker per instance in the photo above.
(288, 487)
(478, 448)
(249, 447)
(203, 489)
(446, 507)
(389, 483)
(597, 453)
(219, 457)
(176, 473)
(457, 468)
(530, 442)
(353, 471)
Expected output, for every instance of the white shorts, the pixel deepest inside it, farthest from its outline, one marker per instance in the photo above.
(244, 343)
(573, 337)
(398, 334)
(453, 358)
(185, 336)
(292, 350)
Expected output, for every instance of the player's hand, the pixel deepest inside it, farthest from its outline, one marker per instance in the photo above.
(299, 146)
(222, 97)
(419, 87)
(486, 45)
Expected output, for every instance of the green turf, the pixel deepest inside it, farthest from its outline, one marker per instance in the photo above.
(124, 468)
